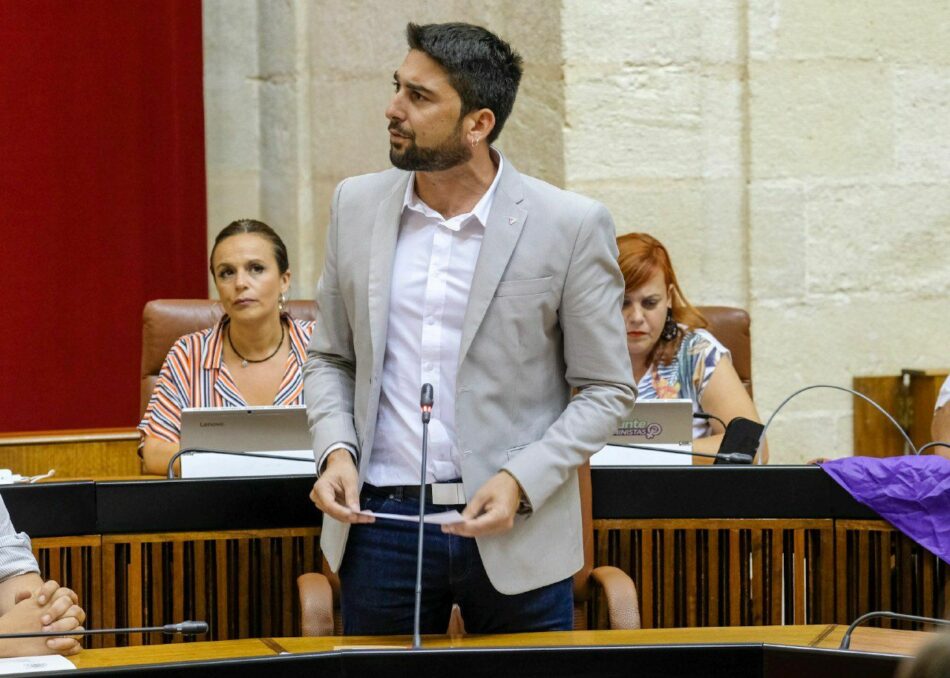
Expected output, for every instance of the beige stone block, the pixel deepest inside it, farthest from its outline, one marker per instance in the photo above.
(922, 122)
(777, 251)
(831, 339)
(653, 122)
(879, 239)
(818, 119)
(917, 32)
(762, 20)
(798, 437)
(232, 194)
(698, 221)
(645, 32)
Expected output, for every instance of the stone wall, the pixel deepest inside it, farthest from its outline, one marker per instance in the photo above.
(793, 155)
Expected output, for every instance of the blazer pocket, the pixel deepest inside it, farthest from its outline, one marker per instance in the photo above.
(512, 452)
(521, 288)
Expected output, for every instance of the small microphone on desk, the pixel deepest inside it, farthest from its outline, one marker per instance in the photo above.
(256, 455)
(185, 628)
(846, 639)
(727, 458)
(741, 437)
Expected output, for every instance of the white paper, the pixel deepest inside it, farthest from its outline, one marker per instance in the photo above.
(53, 662)
(614, 455)
(227, 465)
(444, 518)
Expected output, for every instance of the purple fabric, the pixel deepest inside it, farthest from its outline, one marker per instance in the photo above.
(911, 493)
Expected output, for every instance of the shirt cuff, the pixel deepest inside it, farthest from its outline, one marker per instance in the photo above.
(335, 446)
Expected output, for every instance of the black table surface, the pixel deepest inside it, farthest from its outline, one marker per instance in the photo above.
(117, 507)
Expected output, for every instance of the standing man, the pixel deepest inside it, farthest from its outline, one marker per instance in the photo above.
(501, 291)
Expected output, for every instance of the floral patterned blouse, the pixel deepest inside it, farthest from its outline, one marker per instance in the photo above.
(687, 375)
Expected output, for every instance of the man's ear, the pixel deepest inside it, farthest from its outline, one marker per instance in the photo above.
(479, 125)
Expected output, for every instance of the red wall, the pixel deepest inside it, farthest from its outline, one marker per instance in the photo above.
(102, 198)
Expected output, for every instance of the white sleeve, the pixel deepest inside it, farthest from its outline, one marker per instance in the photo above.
(944, 397)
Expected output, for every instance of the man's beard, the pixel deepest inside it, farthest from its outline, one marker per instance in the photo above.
(448, 154)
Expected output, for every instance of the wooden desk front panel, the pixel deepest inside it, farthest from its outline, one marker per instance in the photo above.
(722, 572)
(878, 568)
(243, 583)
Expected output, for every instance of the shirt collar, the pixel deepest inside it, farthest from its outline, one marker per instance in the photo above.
(480, 211)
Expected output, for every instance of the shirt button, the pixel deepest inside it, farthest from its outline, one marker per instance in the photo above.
(430, 320)
(428, 367)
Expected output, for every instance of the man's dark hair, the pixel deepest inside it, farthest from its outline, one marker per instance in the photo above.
(482, 67)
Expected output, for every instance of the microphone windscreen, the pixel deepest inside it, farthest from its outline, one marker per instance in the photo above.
(427, 397)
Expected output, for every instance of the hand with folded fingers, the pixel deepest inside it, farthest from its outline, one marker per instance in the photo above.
(58, 610)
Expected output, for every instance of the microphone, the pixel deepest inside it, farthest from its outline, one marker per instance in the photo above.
(910, 443)
(726, 457)
(846, 639)
(741, 437)
(256, 455)
(185, 628)
(425, 405)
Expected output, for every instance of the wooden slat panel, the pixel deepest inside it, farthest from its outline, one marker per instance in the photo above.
(647, 587)
(135, 576)
(286, 558)
(221, 589)
(774, 613)
(201, 581)
(669, 572)
(177, 584)
(735, 576)
(798, 572)
(691, 573)
(243, 587)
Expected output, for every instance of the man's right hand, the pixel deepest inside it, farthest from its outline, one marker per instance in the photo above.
(336, 491)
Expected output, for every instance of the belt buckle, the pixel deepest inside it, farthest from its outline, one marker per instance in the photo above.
(448, 494)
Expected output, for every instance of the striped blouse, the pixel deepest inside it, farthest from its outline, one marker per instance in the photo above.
(194, 375)
(687, 375)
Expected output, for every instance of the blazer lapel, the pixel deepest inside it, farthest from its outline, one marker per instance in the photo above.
(382, 249)
(502, 231)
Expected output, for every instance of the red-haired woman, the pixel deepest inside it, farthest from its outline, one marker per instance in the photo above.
(672, 355)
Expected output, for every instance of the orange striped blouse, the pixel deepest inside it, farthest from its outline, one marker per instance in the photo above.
(194, 375)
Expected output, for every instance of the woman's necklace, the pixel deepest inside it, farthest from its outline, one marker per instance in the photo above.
(245, 361)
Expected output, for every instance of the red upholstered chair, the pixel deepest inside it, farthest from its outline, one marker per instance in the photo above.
(165, 320)
(731, 326)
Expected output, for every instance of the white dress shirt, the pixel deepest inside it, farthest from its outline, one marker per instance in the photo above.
(432, 275)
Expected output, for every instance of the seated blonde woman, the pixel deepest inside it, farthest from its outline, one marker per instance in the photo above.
(672, 355)
(253, 356)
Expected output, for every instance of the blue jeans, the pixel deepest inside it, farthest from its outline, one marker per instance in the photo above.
(378, 581)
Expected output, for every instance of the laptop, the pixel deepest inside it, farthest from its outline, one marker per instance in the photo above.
(273, 430)
(664, 424)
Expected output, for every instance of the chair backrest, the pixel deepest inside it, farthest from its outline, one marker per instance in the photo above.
(165, 320)
(731, 326)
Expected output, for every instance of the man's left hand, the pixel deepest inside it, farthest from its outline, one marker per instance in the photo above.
(492, 510)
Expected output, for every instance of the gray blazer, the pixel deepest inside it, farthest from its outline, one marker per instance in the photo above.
(543, 318)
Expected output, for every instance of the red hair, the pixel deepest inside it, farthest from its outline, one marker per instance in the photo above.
(641, 256)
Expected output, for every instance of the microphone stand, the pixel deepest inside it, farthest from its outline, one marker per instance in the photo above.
(257, 455)
(728, 457)
(185, 628)
(425, 404)
(846, 639)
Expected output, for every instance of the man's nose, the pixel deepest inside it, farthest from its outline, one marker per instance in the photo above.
(394, 110)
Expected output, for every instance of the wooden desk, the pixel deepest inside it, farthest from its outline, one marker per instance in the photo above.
(73, 454)
(229, 550)
(676, 642)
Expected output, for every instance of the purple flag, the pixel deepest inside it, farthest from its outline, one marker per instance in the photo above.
(912, 493)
